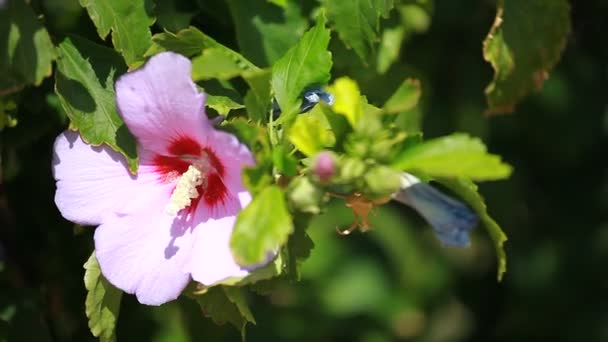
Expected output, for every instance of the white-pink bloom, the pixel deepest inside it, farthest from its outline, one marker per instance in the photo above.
(172, 221)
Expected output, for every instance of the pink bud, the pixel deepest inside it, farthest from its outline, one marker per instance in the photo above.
(325, 166)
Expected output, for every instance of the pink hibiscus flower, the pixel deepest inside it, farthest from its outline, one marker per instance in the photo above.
(172, 221)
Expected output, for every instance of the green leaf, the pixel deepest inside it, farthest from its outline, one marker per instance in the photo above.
(258, 97)
(188, 42)
(357, 22)
(26, 50)
(456, 155)
(280, 3)
(305, 64)
(405, 97)
(309, 134)
(226, 304)
(467, 190)
(216, 61)
(84, 83)
(7, 113)
(174, 15)
(390, 48)
(102, 305)
(382, 181)
(129, 22)
(261, 228)
(525, 42)
(305, 196)
(338, 123)
(264, 31)
(214, 64)
(299, 246)
(284, 162)
(222, 104)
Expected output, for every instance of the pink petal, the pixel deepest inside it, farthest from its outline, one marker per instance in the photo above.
(212, 259)
(92, 182)
(233, 155)
(144, 252)
(160, 103)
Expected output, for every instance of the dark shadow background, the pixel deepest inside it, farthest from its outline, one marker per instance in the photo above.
(397, 282)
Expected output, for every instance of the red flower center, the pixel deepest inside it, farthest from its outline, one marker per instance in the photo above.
(185, 152)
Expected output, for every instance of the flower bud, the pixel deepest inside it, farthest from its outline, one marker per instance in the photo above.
(325, 166)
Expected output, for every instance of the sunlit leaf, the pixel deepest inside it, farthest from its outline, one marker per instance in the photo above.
(103, 302)
(214, 64)
(309, 134)
(222, 104)
(347, 99)
(305, 64)
(523, 45)
(404, 98)
(26, 50)
(129, 22)
(456, 155)
(84, 83)
(467, 190)
(256, 233)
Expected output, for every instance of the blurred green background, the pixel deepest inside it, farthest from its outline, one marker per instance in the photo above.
(396, 282)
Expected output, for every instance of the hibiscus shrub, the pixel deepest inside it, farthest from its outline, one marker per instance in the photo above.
(201, 157)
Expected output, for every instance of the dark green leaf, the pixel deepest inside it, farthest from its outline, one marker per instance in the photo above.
(264, 31)
(357, 22)
(456, 155)
(226, 304)
(257, 234)
(467, 190)
(129, 22)
(103, 302)
(258, 97)
(523, 45)
(84, 83)
(26, 50)
(174, 15)
(305, 64)
(299, 246)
